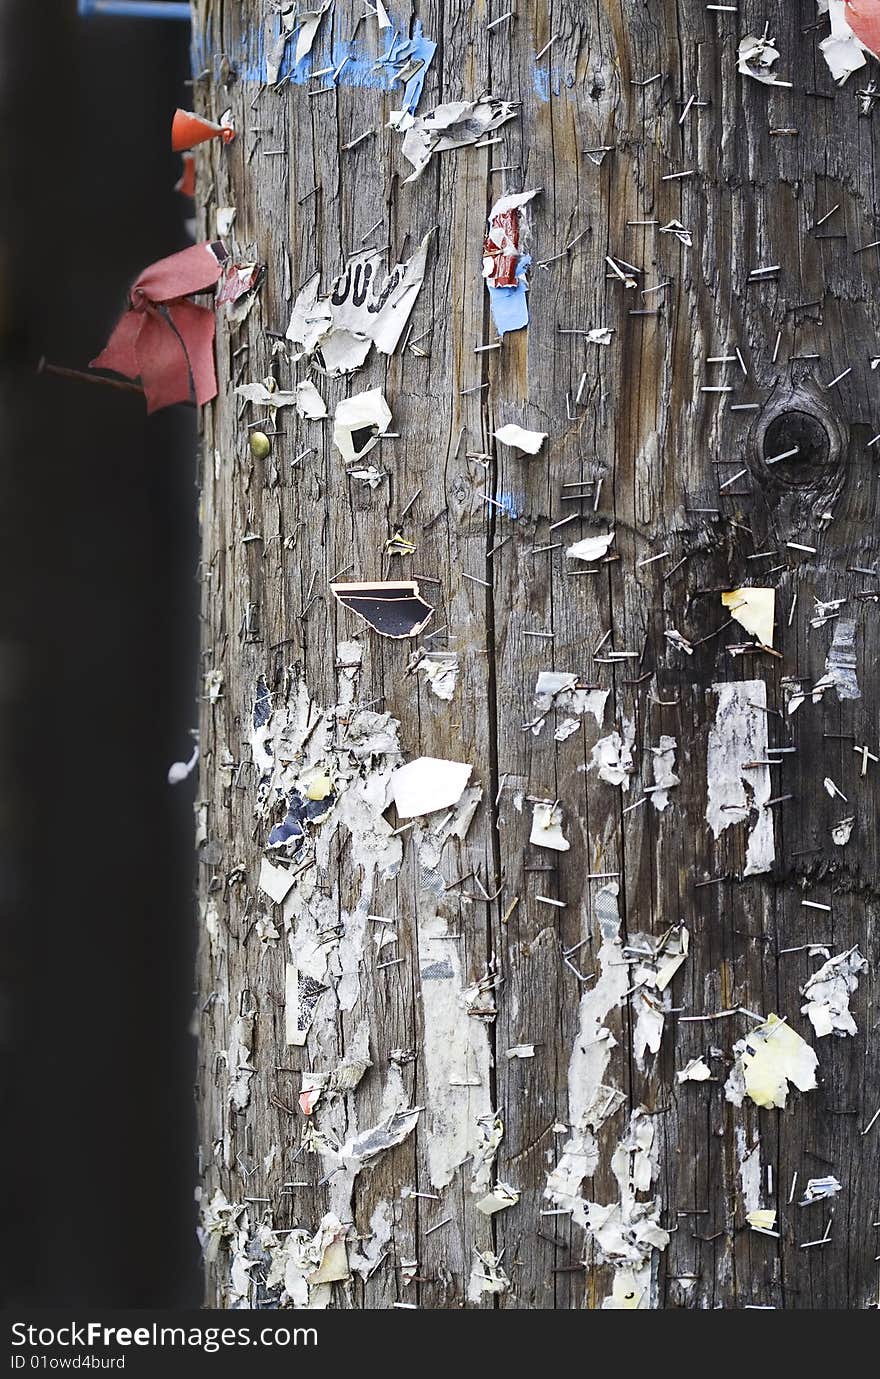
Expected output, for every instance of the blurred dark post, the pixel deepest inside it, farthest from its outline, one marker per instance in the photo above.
(97, 678)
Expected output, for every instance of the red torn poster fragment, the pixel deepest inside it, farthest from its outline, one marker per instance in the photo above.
(864, 20)
(164, 339)
(189, 129)
(502, 247)
(238, 278)
(506, 262)
(186, 183)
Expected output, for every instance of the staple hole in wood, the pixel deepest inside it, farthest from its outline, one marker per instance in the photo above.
(796, 428)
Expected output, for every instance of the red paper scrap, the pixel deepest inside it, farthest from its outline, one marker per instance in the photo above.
(238, 278)
(863, 17)
(502, 247)
(186, 183)
(164, 339)
(189, 129)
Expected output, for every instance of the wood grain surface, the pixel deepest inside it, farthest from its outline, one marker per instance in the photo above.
(762, 166)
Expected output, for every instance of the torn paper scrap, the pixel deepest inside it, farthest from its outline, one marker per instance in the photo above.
(178, 771)
(566, 729)
(359, 422)
(863, 17)
(274, 881)
(855, 30)
(301, 995)
(309, 22)
(164, 338)
(502, 1195)
(490, 1133)
(655, 963)
(663, 763)
(591, 548)
(612, 757)
(503, 246)
(591, 1102)
(344, 1078)
(756, 58)
(681, 643)
(408, 59)
(238, 287)
(825, 610)
(219, 1223)
(186, 183)
(828, 991)
(842, 832)
(735, 790)
(676, 229)
(518, 437)
(628, 1292)
(840, 664)
(506, 262)
(487, 1276)
(521, 1051)
(455, 1055)
(697, 1070)
(225, 220)
(452, 126)
(390, 1132)
(393, 608)
(627, 1232)
(749, 1157)
(762, 1219)
(428, 784)
(265, 396)
(238, 1060)
(766, 1061)
(754, 610)
(277, 43)
(364, 307)
(818, 1189)
(307, 1266)
(649, 1025)
(555, 689)
(189, 129)
(309, 402)
(370, 475)
(669, 955)
(440, 669)
(547, 827)
(330, 1245)
(366, 1261)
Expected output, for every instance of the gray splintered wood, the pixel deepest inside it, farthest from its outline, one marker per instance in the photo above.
(655, 454)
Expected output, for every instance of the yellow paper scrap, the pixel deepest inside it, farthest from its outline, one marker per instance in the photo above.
(754, 610)
(764, 1219)
(774, 1056)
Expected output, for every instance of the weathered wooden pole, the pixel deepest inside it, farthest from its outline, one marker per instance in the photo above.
(493, 1009)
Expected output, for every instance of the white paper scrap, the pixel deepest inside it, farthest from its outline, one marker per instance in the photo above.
(427, 784)
(518, 437)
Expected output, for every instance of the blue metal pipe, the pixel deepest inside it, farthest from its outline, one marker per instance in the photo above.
(135, 9)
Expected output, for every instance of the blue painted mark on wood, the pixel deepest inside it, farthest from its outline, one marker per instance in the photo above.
(510, 505)
(547, 82)
(355, 68)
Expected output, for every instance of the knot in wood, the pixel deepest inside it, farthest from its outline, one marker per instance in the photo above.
(803, 441)
(802, 432)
